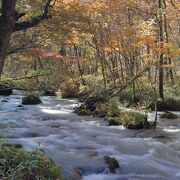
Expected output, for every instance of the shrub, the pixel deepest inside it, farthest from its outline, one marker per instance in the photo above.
(101, 110)
(134, 120)
(69, 90)
(19, 164)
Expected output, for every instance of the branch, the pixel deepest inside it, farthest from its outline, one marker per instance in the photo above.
(19, 15)
(132, 80)
(35, 20)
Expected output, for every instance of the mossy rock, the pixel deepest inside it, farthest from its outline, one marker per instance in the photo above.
(5, 91)
(101, 113)
(169, 115)
(91, 102)
(31, 100)
(82, 111)
(112, 163)
(113, 121)
(19, 164)
(134, 120)
(49, 93)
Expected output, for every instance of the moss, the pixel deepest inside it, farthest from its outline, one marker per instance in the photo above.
(133, 120)
(82, 111)
(91, 105)
(113, 121)
(101, 111)
(18, 164)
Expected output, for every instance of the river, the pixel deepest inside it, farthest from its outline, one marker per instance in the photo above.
(80, 142)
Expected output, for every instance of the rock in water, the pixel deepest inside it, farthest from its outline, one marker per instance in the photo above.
(49, 93)
(5, 91)
(31, 100)
(5, 145)
(112, 163)
(4, 100)
(169, 115)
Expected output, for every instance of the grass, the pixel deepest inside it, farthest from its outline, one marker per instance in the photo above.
(18, 164)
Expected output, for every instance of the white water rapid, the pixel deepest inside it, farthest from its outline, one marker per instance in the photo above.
(77, 142)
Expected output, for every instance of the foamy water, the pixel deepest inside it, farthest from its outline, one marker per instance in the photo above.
(77, 142)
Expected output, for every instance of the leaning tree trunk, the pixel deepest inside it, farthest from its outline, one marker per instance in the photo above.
(7, 21)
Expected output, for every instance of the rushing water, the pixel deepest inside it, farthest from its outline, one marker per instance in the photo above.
(77, 142)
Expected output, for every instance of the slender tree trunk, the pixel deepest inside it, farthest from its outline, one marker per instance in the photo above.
(79, 65)
(7, 21)
(161, 57)
(170, 71)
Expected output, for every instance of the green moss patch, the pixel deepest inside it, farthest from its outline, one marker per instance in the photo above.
(18, 164)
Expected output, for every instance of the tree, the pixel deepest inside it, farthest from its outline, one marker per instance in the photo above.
(9, 23)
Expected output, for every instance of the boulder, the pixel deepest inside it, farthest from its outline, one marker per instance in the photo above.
(112, 163)
(169, 115)
(139, 125)
(4, 100)
(113, 121)
(31, 100)
(82, 111)
(5, 91)
(20, 106)
(49, 93)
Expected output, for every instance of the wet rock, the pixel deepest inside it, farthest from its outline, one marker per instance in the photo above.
(18, 146)
(20, 106)
(159, 137)
(140, 125)
(169, 115)
(34, 134)
(112, 163)
(79, 172)
(5, 91)
(134, 120)
(49, 93)
(31, 100)
(113, 121)
(100, 113)
(4, 100)
(55, 126)
(82, 111)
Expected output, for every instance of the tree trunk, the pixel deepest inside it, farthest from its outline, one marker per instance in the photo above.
(161, 57)
(7, 21)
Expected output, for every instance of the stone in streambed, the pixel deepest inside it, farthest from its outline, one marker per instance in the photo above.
(82, 111)
(169, 115)
(31, 100)
(4, 100)
(49, 93)
(112, 163)
(113, 121)
(20, 106)
(5, 91)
